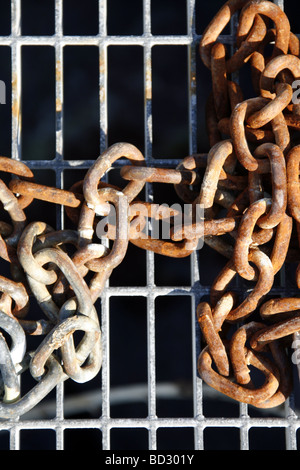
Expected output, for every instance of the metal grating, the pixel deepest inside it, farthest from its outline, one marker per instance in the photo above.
(240, 418)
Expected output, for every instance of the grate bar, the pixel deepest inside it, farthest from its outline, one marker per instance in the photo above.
(147, 39)
(150, 265)
(16, 78)
(155, 423)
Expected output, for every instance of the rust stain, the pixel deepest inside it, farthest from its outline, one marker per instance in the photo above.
(58, 70)
(58, 73)
(15, 106)
(102, 62)
(148, 80)
(58, 105)
(15, 109)
(102, 94)
(193, 84)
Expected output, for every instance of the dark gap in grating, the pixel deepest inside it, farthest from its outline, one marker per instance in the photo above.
(217, 405)
(133, 410)
(221, 438)
(173, 351)
(164, 193)
(132, 270)
(125, 100)
(128, 348)
(210, 264)
(204, 88)
(205, 12)
(129, 439)
(290, 8)
(5, 106)
(113, 176)
(80, 18)
(298, 438)
(4, 440)
(161, 12)
(180, 407)
(37, 439)
(38, 18)
(73, 176)
(246, 84)
(171, 271)
(170, 102)
(290, 278)
(81, 102)
(204, 298)
(264, 438)
(174, 439)
(38, 103)
(124, 18)
(5, 18)
(90, 438)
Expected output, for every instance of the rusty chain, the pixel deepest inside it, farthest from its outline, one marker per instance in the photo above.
(247, 187)
(255, 136)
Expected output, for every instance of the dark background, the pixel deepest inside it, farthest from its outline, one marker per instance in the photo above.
(81, 141)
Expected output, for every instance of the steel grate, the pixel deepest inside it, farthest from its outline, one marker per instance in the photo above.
(53, 414)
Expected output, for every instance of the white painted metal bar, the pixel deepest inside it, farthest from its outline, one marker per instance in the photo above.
(150, 259)
(179, 40)
(16, 119)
